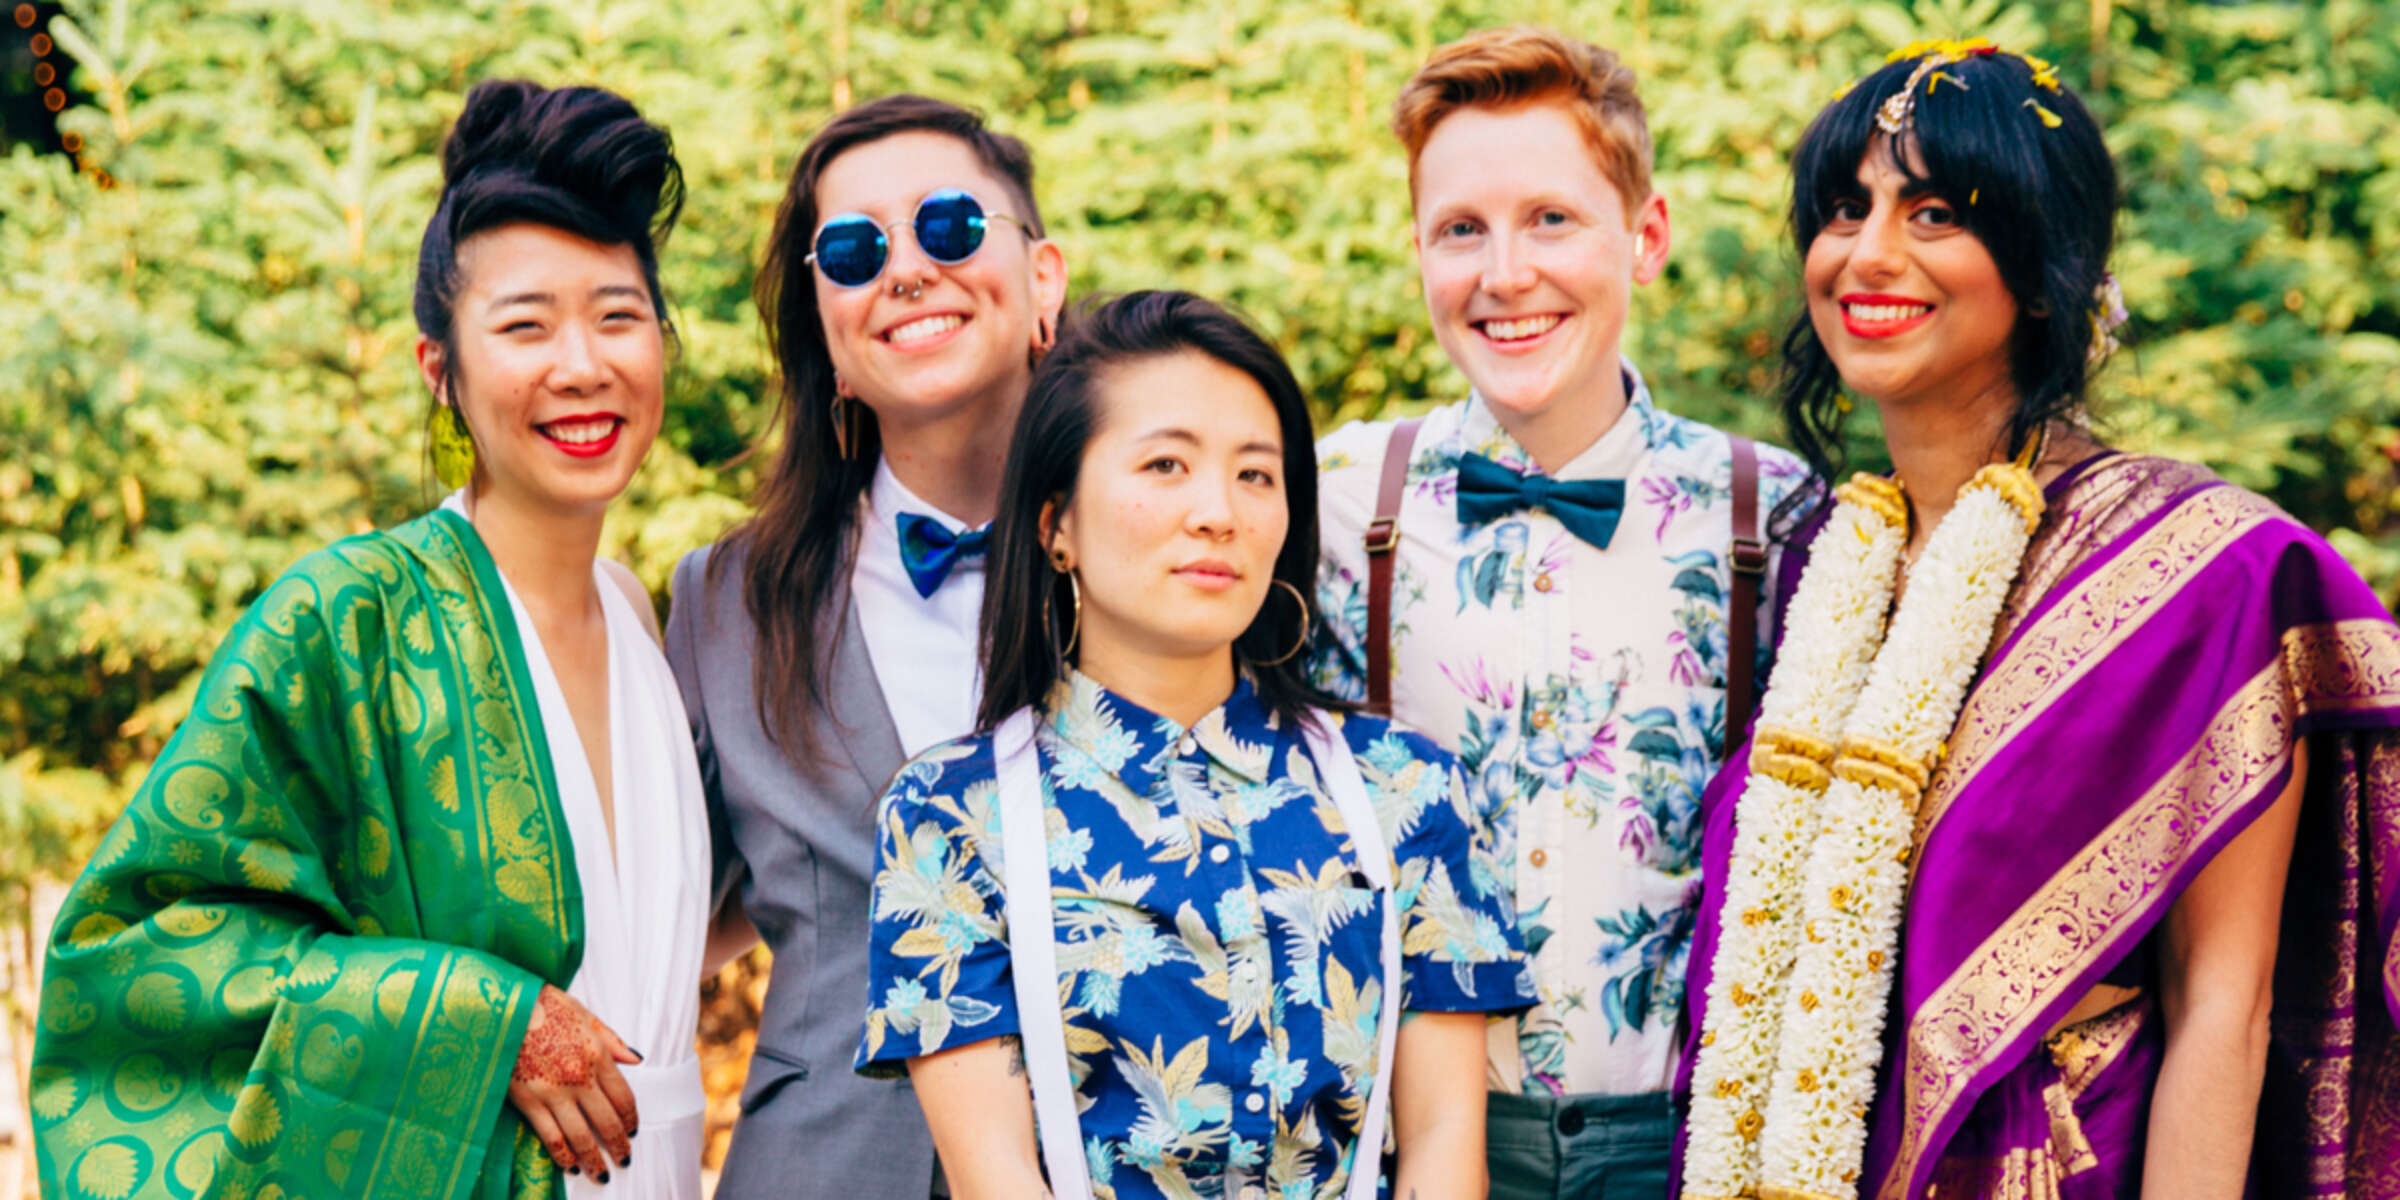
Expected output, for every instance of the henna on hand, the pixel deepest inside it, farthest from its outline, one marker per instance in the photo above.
(562, 1043)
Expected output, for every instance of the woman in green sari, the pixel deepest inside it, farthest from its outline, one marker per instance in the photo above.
(336, 944)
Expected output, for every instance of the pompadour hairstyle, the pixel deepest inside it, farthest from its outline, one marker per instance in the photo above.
(1518, 66)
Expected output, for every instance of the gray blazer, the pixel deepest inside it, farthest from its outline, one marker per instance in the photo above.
(800, 843)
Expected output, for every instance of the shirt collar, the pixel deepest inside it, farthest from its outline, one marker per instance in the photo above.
(1616, 454)
(1136, 745)
(887, 497)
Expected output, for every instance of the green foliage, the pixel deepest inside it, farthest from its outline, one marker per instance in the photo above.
(209, 339)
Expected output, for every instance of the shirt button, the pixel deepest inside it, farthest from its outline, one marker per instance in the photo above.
(1186, 745)
(1541, 583)
(1570, 1122)
(1219, 853)
(1539, 856)
(1255, 1102)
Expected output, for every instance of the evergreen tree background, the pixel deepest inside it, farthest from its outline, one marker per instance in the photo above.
(204, 315)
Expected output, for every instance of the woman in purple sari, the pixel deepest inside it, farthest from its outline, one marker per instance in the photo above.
(2143, 939)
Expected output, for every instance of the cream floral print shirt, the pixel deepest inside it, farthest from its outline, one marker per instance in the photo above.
(1583, 691)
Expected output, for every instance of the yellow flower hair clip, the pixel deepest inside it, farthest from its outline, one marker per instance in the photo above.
(1899, 109)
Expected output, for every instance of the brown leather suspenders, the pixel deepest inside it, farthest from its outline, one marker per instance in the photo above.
(1382, 536)
(1749, 561)
(1741, 609)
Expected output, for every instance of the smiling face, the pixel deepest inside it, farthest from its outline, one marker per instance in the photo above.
(1907, 302)
(560, 365)
(1178, 512)
(957, 336)
(1529, 257)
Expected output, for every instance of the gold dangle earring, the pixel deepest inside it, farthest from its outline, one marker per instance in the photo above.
(1297, 642)
(453, 448)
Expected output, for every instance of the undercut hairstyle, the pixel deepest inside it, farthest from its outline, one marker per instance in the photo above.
(796, 547)
(1518, 66)
(578, 159)
(2041, 198)
(1027, 602)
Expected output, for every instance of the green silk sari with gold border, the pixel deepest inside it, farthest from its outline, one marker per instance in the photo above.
(302, 962)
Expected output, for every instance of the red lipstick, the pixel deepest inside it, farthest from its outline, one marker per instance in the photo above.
(1875, 315)
(591, 449)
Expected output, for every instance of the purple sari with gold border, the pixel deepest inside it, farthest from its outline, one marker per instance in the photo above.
(2169, 641)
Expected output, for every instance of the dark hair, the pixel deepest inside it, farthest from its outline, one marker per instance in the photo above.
(798, 541)
(578, 158)
(1022, 591)
(2041, 197)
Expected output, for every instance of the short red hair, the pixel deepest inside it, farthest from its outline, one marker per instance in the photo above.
(1519, 65)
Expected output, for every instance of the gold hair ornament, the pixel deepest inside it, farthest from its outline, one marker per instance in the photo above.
(1899, 109)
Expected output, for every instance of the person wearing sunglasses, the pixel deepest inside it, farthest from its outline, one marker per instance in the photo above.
(907, 291)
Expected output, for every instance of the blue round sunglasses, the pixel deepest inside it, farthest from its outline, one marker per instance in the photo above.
(851, 249)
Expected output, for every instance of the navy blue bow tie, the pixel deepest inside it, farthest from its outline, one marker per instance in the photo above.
(1589, 508)
(929, 550)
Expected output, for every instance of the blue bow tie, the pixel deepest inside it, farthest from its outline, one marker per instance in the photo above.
(929, 550)
(1589, 508)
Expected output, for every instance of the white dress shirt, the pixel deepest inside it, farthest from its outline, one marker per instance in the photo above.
(923, 647)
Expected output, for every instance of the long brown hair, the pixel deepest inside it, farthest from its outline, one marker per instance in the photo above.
(796, 547)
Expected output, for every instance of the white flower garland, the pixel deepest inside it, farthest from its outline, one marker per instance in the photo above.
(1794, 1026)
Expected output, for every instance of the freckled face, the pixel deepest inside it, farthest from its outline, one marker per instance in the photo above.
(957, 335)
(1528, 255)
(560, 366)
(1179, 509)
(1907, 302)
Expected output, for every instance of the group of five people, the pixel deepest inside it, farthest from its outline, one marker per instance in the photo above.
(1143, 798)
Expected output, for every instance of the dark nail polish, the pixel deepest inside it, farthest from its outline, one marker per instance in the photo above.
(638, 1056)
(626, 1162)
(574, 1170)
(633, 1133)
(604, 1177)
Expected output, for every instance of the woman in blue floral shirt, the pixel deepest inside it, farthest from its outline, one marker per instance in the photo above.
(1218, 936)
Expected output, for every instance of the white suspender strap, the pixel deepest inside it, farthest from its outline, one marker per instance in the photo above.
(1033, 956)
(1338, 771)
(1033, 952)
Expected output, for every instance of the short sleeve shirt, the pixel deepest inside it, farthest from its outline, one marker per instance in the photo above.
(1583, 690)
(1220, 949)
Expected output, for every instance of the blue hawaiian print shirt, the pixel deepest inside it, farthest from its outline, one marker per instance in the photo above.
(1221, 954)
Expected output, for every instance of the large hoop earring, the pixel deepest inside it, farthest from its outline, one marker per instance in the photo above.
(1050, 617)
(1297, 642)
